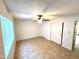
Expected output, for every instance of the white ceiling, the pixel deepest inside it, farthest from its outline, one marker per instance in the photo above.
(46, 7)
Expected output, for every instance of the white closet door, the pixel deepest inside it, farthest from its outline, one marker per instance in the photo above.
(56, 31)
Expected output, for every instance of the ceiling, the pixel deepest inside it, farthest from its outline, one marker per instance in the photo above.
(45, 7)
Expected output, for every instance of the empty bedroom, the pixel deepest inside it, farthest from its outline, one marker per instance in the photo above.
(39, 29)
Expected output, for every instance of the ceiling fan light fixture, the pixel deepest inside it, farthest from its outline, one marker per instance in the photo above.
(40, 21)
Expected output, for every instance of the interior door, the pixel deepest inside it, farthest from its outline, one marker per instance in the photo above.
(56, 32)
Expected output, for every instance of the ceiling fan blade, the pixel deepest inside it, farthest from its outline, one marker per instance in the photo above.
(46, 19)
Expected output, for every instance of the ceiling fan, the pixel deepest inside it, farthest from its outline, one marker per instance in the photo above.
(41, 19)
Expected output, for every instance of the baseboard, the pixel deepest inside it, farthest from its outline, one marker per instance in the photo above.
(29, 38)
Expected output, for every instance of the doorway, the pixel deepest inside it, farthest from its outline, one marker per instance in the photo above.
(76, 37)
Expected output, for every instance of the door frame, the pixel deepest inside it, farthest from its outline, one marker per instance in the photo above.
(74, 34)
(62, 32)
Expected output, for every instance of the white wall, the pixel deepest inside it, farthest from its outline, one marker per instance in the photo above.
(68, 30)
(45, 30)
(25, 29)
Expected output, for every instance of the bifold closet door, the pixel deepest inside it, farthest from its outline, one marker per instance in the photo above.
(7, 34)
(56, 32)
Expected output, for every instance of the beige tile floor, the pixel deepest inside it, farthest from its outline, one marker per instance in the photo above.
(40, 48)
